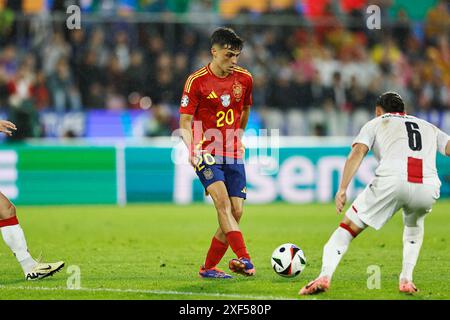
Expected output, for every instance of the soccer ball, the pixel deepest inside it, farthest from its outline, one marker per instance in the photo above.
(288, 260)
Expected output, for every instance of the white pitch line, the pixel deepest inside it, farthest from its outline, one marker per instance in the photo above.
(157, 292)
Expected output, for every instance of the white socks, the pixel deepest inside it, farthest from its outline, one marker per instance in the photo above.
(337, 245)
(15, 239)
(412, 242)
(333, 251)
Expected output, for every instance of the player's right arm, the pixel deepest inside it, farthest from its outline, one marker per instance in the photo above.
(7, 127)
(447, 149)
(188, 106)
(359, 151)
(360, 147)
(186, 135)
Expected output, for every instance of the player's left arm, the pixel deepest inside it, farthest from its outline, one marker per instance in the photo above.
(443, 143)
(7, 127)
(248, 101)
(356, 156)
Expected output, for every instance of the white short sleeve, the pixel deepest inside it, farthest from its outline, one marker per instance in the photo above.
(366, 135)
(442, 140)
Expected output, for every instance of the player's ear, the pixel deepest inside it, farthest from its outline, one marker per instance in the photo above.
(379, 111)
(213, 51)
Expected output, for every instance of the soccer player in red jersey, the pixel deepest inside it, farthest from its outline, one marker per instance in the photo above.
(13, 234)
(214, 111)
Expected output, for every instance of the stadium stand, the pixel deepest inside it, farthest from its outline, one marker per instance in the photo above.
(313, 74)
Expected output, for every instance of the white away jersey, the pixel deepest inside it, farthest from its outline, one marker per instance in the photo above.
(404, 146)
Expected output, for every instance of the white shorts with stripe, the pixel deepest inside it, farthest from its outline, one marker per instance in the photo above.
(384, 196)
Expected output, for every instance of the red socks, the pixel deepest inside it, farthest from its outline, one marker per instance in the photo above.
(237, 244)
(217, 249)
(215, 253)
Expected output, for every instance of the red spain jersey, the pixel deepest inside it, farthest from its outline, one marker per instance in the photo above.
(216, 104)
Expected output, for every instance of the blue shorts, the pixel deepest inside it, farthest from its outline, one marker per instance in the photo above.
(229, 170)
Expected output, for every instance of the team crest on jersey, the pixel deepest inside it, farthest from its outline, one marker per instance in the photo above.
(208, 174)
(237, 91)
(184, 101)
(226, 100)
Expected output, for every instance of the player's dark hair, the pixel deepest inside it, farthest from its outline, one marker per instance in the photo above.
(391, 102)
(227, 37)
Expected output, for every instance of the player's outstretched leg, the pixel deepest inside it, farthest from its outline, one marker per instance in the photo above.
(412, 242)
(14, 238)
(243, 265)
(333, 251)
(216, 252)
(229, 226)
(219, 245)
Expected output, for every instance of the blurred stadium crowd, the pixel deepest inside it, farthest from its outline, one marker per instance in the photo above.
(319, 76)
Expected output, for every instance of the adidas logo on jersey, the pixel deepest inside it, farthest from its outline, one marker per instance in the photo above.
(212, 95)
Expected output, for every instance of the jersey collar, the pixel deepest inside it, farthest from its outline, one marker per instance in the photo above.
(398, 113)
(212, 73)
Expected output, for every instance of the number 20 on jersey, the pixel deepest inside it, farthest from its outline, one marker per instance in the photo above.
(225, 117)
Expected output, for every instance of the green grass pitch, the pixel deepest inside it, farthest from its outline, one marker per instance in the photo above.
(154, 252)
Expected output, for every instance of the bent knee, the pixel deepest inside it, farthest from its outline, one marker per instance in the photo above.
(223, 205)
(351, 227)
(7, 211)
(237, 213)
